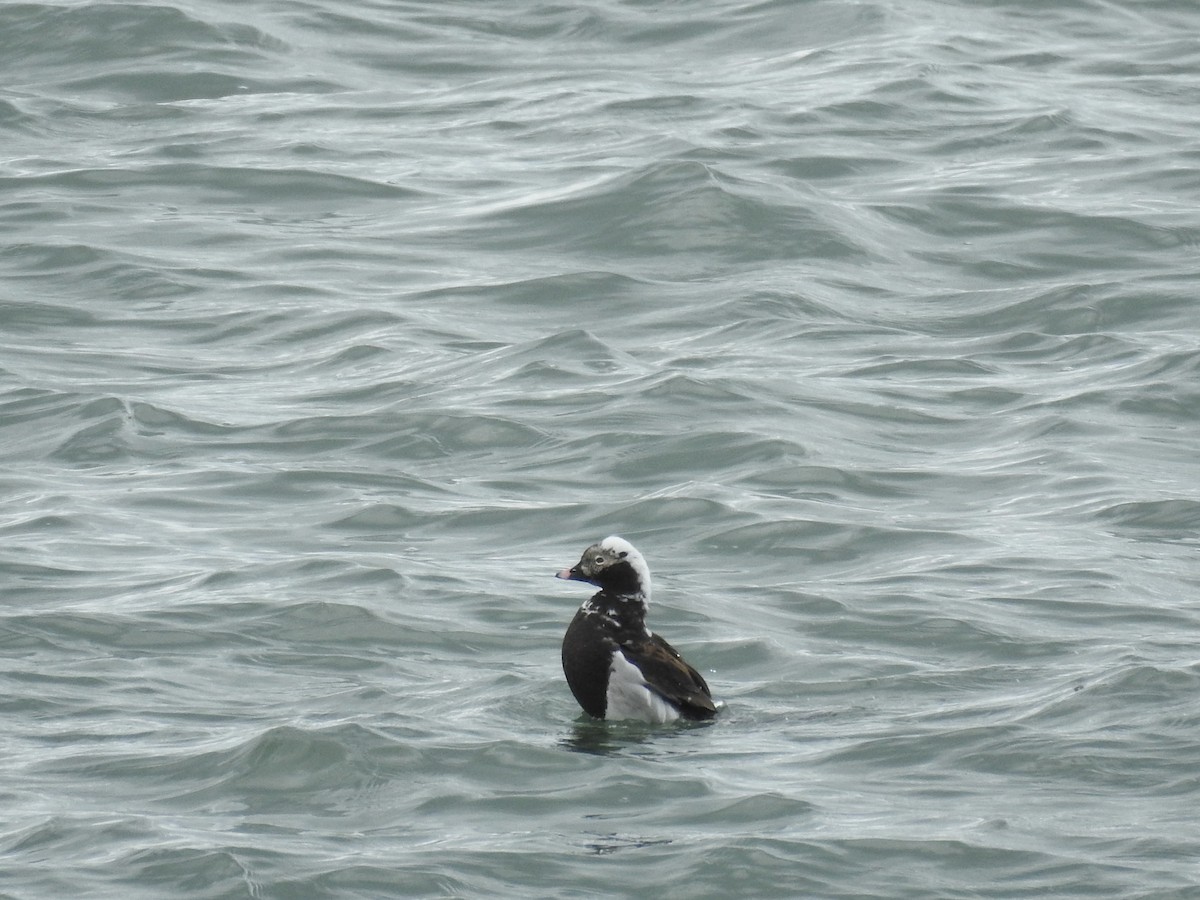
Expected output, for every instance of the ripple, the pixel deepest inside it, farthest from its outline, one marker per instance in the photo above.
(641, 213)
(1155, 520)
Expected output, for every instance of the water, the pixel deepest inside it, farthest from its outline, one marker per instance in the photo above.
(330, 331)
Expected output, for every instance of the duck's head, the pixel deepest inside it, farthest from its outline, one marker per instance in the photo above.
(613, 565)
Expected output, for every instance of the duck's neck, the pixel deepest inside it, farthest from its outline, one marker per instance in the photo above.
(624, 611)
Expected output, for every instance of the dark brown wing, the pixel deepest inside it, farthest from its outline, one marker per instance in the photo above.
(670, 677)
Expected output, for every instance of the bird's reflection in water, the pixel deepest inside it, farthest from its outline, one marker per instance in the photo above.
(597, 737)
(611, 843)
(600, 738)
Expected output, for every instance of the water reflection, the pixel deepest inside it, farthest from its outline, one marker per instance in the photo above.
(600, 738)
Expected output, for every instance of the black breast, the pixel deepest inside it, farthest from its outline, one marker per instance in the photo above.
(587, 651)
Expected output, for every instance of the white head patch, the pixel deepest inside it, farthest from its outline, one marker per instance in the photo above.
(619, 547)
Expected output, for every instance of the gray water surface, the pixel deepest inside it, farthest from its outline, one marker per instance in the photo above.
(329, 332)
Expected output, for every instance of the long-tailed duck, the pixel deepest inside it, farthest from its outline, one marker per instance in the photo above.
(616, 667)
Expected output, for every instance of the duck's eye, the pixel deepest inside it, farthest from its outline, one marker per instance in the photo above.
(599, 561)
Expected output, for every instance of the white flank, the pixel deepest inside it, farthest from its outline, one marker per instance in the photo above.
(630, 698)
